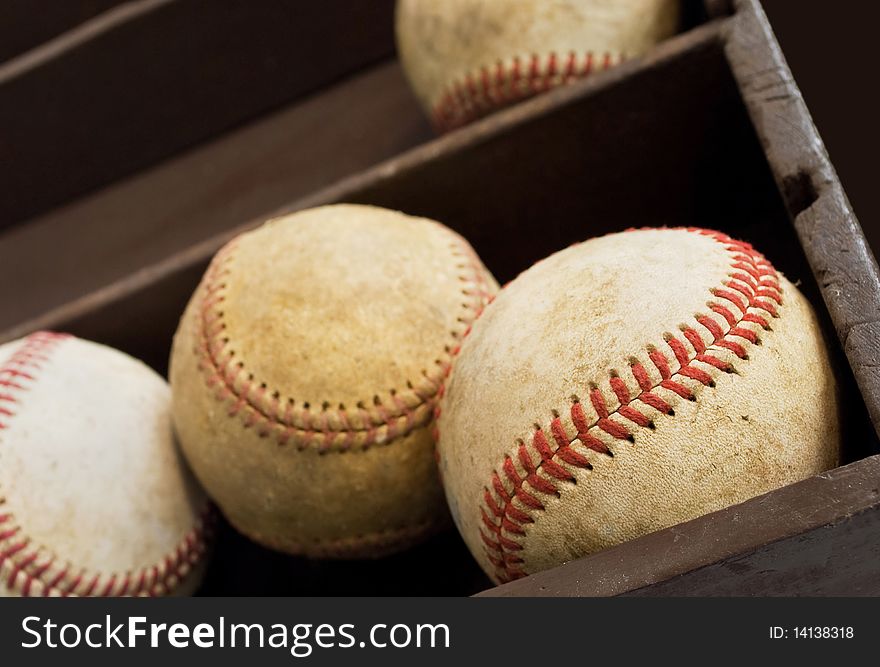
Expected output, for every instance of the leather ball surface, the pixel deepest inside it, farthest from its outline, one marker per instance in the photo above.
(466, 58)
(627, 384)
(95, 499)
(305, 374)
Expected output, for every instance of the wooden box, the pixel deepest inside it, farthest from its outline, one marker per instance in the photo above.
(708, 129)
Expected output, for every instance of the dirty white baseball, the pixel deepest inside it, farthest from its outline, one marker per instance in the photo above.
(465, 58)
(94, 497)
(305, 374)
(627, 384)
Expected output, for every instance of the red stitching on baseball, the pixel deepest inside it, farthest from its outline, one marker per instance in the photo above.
(694, 339)
(493, 86)
(329, 429)
(30, 569)
(504, 522)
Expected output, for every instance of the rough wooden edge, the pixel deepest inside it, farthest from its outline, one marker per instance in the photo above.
(823, 217)
(676, 560)
(465, 138)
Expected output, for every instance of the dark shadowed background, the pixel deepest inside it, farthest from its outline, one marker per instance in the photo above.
(829, 47)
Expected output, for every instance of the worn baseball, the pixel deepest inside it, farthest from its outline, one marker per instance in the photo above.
(306, 370)
(627, 384)
(94, 497)
(466, 58)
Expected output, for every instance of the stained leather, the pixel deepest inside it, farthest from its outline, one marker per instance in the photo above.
(442, 44)
(595, 312)
(91, 475)
(307, 408)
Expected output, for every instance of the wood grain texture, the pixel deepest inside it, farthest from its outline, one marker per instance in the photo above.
(468, 179)
(844, 266)
(244, 175)
(142, 89)
(817, 537)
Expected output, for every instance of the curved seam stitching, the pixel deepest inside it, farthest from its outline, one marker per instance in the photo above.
(281, 416)
(492, 86)
(29, 566)
(747, 288)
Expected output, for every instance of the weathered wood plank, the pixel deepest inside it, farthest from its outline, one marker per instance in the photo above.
(817, 537)
(241, 176)
(135, 91)
(27, 24)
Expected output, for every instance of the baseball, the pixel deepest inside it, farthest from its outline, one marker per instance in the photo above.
(94, 497)
(627, 384)
(466, 58)
(305, 373)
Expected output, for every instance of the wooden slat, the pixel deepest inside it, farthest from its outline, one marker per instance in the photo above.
(825, 222)
(247, 174)
(122, 94)
(26, 24)
(472, 179)
(817, 537)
